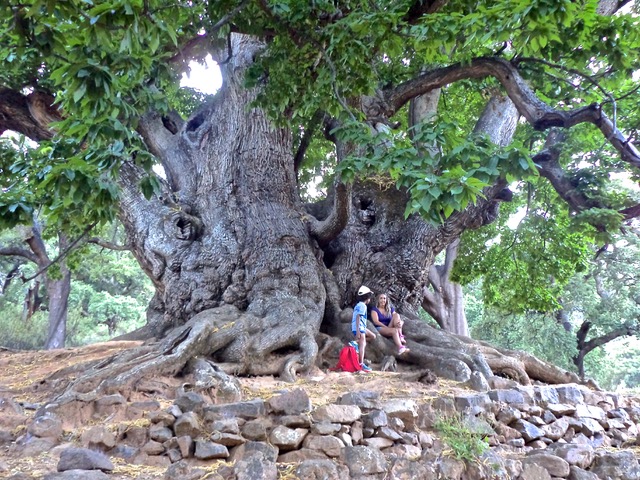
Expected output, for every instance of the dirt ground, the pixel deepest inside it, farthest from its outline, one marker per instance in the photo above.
(31, 377)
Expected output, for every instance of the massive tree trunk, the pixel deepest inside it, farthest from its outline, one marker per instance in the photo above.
(229, 245)
(252, 279)
(229, 228)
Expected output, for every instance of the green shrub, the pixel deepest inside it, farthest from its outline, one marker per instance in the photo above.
(464, 444)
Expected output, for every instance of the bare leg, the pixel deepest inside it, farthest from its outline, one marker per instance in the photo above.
(392, 333)
(362, 344)
(367, 335)
(397, 322)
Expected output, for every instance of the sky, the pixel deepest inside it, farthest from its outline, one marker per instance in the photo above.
(205, 78)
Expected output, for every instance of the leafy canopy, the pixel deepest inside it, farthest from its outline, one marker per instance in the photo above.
(108, 62)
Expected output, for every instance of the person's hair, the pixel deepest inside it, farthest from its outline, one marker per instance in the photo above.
(387, 306)
(362, 298)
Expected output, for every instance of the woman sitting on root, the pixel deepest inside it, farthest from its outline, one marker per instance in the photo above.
(387, 321)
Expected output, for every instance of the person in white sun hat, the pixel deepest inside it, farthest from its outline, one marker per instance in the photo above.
(359, 324)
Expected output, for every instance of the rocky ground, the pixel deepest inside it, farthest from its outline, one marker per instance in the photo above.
(31, 377)
(328, 425)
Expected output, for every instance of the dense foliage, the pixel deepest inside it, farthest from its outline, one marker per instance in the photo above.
(603, 296)
(110, 61)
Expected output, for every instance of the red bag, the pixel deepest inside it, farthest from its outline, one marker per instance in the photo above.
(348, 360)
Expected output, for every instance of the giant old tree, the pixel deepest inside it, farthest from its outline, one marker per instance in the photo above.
(409, 107)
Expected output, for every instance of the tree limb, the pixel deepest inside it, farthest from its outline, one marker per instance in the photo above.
(549, 167)
(594, 343)
(419, 8)
(539, 114)
(434, 277)
(450, 257)
(428, 297)
(582, 332)
(26, 114)
(13, 273)
(108, 245)
(60, 256)
(198, 47)
(159, 132)
(317, 118)
(326, 230)
(37, 246)
(18, 252)
(631, 212)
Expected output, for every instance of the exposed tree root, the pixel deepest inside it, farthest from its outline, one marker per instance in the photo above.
(526, 365)
(223, 341)
(457, 358)
(224, 334)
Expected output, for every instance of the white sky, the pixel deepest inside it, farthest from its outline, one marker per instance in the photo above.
(205, 78)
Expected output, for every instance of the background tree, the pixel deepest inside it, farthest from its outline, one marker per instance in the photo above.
(445, 300)
(247, 273)
(108, 295)
(605, 304)
(56, 282)
(598, 306)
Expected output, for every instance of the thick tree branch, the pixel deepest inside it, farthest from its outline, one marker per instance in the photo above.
(539, 114)
(11, 274)
(423, 7)
(305, 141)
(434, 277)
(623, 331)
(66, 249)
(18, 252)
(37, 246)
(547, 161)
(428, 299)
(631, 212)
(581, 334)
(450, 257)
(609, 7)
(600, 288)
(198, 47)
(549, 167)
(29, 115)
(158, 132)
(326, 230)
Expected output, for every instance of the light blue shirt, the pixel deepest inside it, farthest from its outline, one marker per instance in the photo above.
(361, 310)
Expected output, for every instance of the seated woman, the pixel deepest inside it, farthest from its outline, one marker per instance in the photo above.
(387, 321)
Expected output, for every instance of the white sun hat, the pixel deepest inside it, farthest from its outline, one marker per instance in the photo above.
(364, 290)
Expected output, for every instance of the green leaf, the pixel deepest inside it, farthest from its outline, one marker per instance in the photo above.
(79, 93)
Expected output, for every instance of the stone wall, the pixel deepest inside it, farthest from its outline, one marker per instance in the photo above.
(541, 432)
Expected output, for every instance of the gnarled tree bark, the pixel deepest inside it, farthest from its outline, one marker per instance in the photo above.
(247, 275)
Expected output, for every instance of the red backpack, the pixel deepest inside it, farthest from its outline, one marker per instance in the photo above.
(348, 360)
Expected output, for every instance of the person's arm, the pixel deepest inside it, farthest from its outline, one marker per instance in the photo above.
(375, 319)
